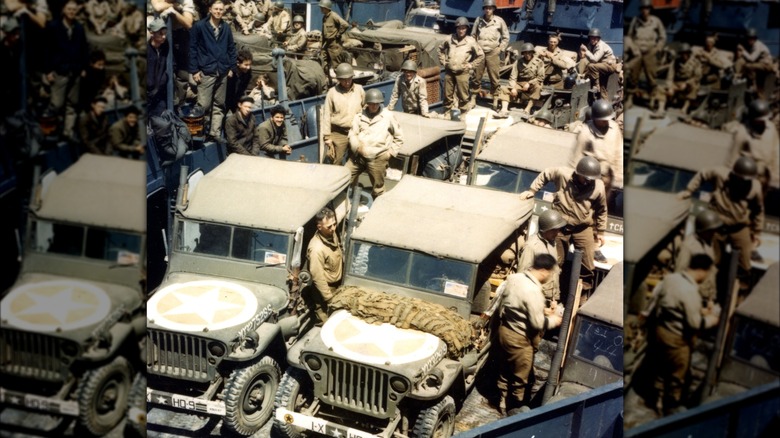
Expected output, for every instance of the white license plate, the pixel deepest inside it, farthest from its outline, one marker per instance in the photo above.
(210, 407)
(38, 403)
(319, 425)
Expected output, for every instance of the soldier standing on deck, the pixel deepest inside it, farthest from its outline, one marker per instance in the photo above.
(492, 35)
(459, 55)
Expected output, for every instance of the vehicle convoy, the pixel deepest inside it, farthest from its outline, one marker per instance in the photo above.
(74, 319)
(219, 322)
(411, 326)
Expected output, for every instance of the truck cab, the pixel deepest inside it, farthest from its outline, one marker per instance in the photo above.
(73, 320)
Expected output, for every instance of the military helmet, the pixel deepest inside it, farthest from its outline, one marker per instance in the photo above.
(589, 167)
(374, 96)
(260, 16)
(550, 220)
(526, 47)
(684, 47)
(708, 220)
(409, 65)
(646, 4)
(751, 32)
(758, 109)
(279, 4)
(462, 21)
(601, 110)
(297, 19)
(595, 32)
(327, 4)
(486, 3)
(545, 115)
(745, 167)
(344, 71)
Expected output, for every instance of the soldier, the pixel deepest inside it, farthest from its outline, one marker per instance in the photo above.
(649, 35)
(543, 118)
(556, 63)
(714, 63)
(459, 55)
(342, 103)
(244, 12)
(492, 35)
(296, 42)
(271, 135)
(602, 139)
(240, 129)
(279, 22)
(757, 137)
(529, 9)
(753, 62)
(238, 80)
(333, 27)
(124, 136)
(543, 242)
(678, 315)
(700, 242)
(411, 90)
(580, 199)
(325, 262)
(682, 80)
(597, 61)
(526, 77)
(524, 318)
(375, 137)
(183, 15)
(737, 200)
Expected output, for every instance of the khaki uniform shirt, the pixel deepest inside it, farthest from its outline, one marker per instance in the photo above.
(647, 34)
(748, 210)
(763, 148)
(556, 64)
(678, 307)
(689, 70)
(531, 71)
(713, 58)
(691, 246)
(376, 134)
(297, 41)
(607, 148)
(333, 26)
(454, 54)
(341, 106)
(534, 246)
(491, 35)
(601, 52)
(522, 309)
(759, 53)
(577, 206)
(413, 95)
(279, 22)
(123, 138)
(325, 263)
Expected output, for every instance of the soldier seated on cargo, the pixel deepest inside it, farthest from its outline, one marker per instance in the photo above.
(525, 81)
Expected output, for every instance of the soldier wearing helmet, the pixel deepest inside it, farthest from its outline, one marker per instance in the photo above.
(581, 201)
(682, 80)
(342, 103)
(525, 81)
(543, 118)
(411, 90)
(602, 139)
(333, 27)
(543, 242)
(753, 61)
(459, 56)
(757, 137)
(374, 138)
(649, 36)
(737, 199)
(279, 22)
(700, 242)
(296, 42)
(492, 35)
(597, 61)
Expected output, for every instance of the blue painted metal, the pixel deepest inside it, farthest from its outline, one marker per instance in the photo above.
(749, 414)
(359, 11)
(596, 413)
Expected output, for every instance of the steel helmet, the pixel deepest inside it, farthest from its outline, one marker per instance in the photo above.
(374, 96)
(550, 220)
(601, 110)
(684, 47)
(646, 4)
(745, 167)
(595, 32)
(526, 47)
(279, 4)
(327, 4)
(260, 16)
(344, 71)
(545, 115)
(486, 3)
(751, 32)
(462, 21)
(297, 19)
(409, 65)
(758, 109)
(708, 220)
(589, 167)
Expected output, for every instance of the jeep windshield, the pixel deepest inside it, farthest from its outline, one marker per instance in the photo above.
(662, 178)
(411, 269)
(91, 242)
(508, 179)
(600, 344)
(758, 344)
(232, 242)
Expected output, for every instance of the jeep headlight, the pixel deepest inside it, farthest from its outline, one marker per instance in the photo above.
(313, 362)
(216, 349)
(399, 384)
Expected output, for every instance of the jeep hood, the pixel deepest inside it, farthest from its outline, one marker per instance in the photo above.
(200, 304)
(63, 306)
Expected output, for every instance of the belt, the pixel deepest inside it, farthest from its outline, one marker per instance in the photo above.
(729, 229)
(572, 229)
(339, 129)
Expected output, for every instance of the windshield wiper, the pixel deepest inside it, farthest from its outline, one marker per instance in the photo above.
(266, 265)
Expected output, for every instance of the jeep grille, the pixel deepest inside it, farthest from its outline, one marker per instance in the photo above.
(36, 356)
(357, 387)
(179, 355)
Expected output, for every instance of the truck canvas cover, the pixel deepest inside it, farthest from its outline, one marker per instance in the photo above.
(529, 147)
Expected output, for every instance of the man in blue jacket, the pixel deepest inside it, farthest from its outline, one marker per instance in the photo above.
(212, 55)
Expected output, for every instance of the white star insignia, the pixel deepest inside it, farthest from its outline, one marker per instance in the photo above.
(205, 305)
(385, 332)
(58, 305)
(162, 400)
(15, 400)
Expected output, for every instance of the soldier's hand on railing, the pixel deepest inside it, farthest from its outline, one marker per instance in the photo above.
(287, 149)
(526, 195)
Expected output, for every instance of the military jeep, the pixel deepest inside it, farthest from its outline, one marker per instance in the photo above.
(218, 323)
(429, 241)
(73, 320)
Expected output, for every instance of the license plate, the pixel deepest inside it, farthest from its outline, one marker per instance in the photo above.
(319, 425)
(38, 403)
(210, 407)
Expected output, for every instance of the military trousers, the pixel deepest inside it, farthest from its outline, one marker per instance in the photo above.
(212, 91)
(375, 167)
(340, 140)
(582, 238)
(740, 238)
(516, 362)
(492, 64)
(672, 354)
(456, 85)
(647, 62)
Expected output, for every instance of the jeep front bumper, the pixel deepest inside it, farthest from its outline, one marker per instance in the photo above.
(178, 401)
(39, 403)
(319, 425)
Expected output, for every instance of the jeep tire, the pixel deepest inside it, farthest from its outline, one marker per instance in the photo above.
(295, 393)
(437, 421)
(136, 413)
(102, 396)
(249, 396)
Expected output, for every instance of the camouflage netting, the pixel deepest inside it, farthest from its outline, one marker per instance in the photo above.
(406, 313)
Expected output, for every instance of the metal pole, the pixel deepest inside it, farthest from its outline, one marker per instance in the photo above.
(293, 129)
(169, 66)
(23, 64)
(135, 91)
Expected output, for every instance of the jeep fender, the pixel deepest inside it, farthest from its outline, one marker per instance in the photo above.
(120, 332)
(452, 382)
(269, 343)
